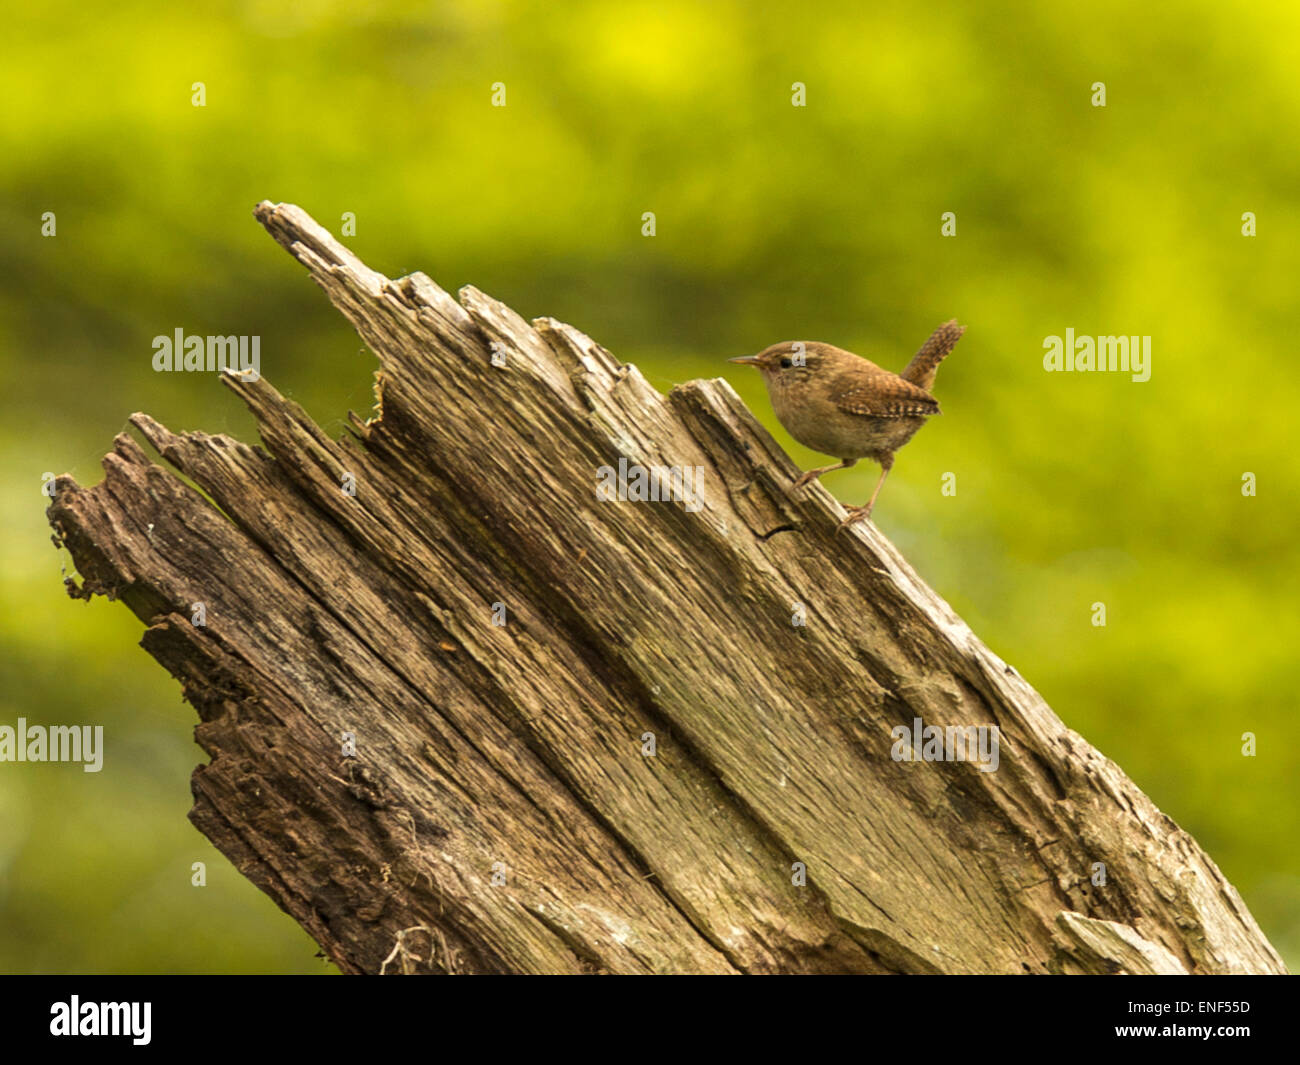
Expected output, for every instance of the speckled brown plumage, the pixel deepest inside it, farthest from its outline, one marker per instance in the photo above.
(839, 403)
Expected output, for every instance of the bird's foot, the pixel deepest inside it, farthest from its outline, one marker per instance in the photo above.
(807, 478)
(855, 514)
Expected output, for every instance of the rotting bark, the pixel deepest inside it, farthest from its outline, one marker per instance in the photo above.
(371, 612)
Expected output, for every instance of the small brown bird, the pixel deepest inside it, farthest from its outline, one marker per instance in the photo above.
(841, 404)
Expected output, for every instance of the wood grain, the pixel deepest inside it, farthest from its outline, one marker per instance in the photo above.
(371, 612)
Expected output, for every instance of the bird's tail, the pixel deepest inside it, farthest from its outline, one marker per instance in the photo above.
(925, 363)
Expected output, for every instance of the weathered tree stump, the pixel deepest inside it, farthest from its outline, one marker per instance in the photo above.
(501, 811)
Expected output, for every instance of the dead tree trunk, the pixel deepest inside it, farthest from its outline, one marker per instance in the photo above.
(501, 811)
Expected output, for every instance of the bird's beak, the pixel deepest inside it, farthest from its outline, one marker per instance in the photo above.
(746, 360)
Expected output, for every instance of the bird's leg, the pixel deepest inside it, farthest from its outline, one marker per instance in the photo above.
(858, 513)
(812, 475)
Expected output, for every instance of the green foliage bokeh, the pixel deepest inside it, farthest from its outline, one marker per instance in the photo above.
(772, 222)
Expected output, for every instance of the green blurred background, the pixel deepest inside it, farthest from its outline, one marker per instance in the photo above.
(773, 222)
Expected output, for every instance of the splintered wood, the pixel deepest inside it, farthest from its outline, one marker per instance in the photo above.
(477, 701)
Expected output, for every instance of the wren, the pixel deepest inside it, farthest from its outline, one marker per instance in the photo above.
(841, 404)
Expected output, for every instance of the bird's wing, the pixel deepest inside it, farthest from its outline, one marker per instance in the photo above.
(888, 396)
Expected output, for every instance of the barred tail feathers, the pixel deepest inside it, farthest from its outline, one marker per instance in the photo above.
(925, 363)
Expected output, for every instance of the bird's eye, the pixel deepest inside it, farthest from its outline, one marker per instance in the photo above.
(786, 364)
